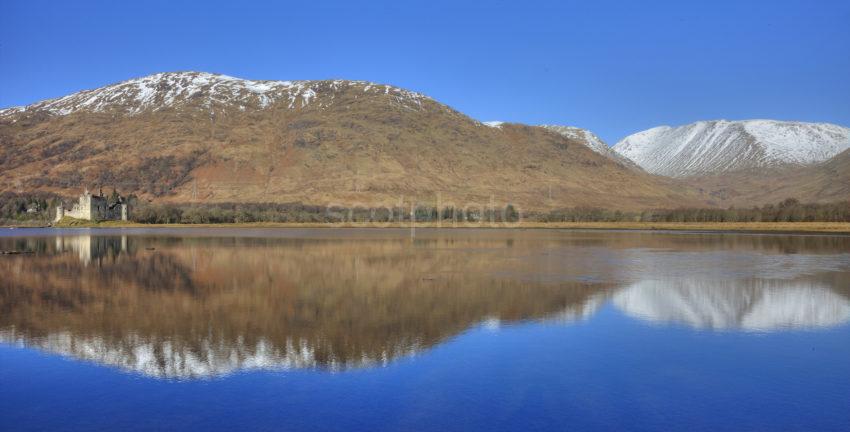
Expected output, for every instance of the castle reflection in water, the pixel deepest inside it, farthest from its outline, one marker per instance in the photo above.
(90, 248)
(202, 304)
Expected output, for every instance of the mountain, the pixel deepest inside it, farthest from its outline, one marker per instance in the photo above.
(711, 147)
(592, 141)
(201, 137)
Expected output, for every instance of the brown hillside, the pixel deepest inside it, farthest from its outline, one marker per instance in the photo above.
(209, 138)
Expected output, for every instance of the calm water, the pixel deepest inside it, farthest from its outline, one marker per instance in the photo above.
(451, 330)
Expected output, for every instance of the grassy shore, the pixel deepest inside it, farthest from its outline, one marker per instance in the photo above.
(785, 227)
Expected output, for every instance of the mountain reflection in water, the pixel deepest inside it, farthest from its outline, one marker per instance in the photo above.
(760, 305)
(197, 306)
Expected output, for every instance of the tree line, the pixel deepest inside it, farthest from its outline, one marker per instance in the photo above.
(789, 210)
(34, 208)
(298, 212)
(39, 208)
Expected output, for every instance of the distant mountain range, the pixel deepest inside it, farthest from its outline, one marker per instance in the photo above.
(742, 163)
(201, 137)
(712, 147)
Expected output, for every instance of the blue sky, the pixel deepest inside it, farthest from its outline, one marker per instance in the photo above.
(612, 67)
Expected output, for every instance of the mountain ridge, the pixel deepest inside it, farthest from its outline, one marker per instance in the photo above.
(592, 141)
(167, 89)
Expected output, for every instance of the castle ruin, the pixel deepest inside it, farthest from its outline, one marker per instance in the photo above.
(95, 208)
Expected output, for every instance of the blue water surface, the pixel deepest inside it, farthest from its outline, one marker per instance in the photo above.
(610, 372)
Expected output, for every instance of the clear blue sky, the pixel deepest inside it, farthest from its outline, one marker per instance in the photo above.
(613, 67)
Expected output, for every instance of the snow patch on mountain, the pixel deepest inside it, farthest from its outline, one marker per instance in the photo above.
(587, 137)
(175, 89)
(802, 143)
(590, 139)
(708, 147)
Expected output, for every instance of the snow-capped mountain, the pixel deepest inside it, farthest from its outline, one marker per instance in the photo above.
(590, 139)
(176, 89)
(709, 147)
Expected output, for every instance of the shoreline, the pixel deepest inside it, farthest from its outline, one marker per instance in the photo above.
(718, 227)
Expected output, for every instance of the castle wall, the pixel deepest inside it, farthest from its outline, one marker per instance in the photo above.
(94, 208)
(81, 210)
